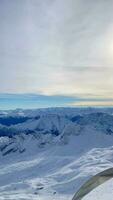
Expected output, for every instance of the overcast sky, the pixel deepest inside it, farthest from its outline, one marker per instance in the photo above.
(57, 47)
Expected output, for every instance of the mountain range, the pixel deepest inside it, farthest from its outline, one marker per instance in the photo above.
(49, 153)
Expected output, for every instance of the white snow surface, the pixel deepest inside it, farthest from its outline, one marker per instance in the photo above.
(54, 171)
(48, 167)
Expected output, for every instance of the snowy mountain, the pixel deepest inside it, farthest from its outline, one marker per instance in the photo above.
(49, 153)
(53, 120)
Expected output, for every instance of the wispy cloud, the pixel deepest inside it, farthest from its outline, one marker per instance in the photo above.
(13, 101)
(93, 103)
(62, 48)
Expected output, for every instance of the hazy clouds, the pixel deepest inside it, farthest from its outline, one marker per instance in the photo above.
(62, 47)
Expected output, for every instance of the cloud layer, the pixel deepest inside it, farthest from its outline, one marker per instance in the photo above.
(60, 47)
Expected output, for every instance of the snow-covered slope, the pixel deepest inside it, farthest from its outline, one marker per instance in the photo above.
(54, 171)
(54, 121)
(44, 165)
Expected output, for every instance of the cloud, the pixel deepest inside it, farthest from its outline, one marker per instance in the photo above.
(93, 103)
(13, 101)
(57, 47)
(27, 101)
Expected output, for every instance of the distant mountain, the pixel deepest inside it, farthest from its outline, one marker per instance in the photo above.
(49, 153)
(55, 121)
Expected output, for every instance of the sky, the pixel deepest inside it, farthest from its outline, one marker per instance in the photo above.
(60, 51)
